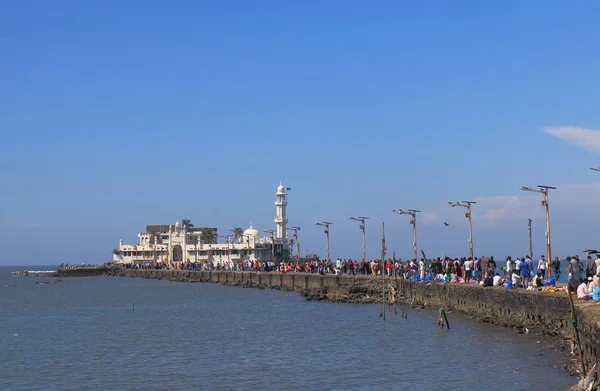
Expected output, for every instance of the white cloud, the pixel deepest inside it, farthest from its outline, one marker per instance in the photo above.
(494, 208)
(429, 218)
(579, 137)
(574, 199)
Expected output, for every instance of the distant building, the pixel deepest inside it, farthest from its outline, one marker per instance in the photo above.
(166, 243)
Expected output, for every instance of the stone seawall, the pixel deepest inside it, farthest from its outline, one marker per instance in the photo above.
(81, 272)
(543, 313)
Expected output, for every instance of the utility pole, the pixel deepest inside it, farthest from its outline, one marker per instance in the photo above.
(530, 240)
(361, 220)
(544, 190)
(296, 229)
(467, 204)
(413, 221)
(272, 233)
(326, 224)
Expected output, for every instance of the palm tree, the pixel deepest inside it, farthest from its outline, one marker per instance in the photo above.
(237, 233)
(209, 235)
(187, 224)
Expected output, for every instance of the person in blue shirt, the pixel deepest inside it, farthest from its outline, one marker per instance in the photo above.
(524, 274)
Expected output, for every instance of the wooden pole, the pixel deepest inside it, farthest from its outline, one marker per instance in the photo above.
(395, 273)
(383, 271)
(530, 240)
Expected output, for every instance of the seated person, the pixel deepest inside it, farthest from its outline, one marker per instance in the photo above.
(539, 280)
(582, 291)
(516, 280)
(489, 280)
(497, 280)
(592, 284)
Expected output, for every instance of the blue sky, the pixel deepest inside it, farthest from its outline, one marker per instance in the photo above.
(118, 114)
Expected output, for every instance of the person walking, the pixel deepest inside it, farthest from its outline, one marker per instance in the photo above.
(525, 273)
(590, 267)
(576, 271)
(556, 268)
(509, 266)
(541, 267)
(468, 269)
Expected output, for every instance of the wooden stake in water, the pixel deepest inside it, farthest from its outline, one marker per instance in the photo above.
(133, 306)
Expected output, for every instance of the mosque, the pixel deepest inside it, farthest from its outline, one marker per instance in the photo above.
(176, 243)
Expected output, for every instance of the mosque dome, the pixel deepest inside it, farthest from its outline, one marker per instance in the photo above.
(251, 232)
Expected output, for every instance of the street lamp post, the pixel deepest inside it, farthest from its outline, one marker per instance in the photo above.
(296, 229)
(467, 204)
(228, 254)
(361, 220)
(247, 245)
(413, 221)
(530, 239)
(544, 190)
(272, 233)
(326, 224)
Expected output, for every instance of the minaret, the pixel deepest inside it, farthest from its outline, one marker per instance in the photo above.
(281, 219)
(170, 245)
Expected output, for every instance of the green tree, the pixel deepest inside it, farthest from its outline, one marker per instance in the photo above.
(285, 254)
(209, 235)
(187, 224)
(237, 233)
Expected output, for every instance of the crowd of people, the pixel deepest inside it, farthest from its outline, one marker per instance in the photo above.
(522, 272)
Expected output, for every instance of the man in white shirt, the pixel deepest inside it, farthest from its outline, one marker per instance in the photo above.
(592, 284)
(542, 266)
(582, 291)
(509, 266)
(422, 269)
(516, 280)
(373, 267)
(468, 265)
(497, 280)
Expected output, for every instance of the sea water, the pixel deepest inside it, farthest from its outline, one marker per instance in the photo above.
(114, 333)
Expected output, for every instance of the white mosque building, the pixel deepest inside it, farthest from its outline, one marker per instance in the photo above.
(176, 243)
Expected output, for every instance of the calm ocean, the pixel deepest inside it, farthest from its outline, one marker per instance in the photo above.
(84, 334)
